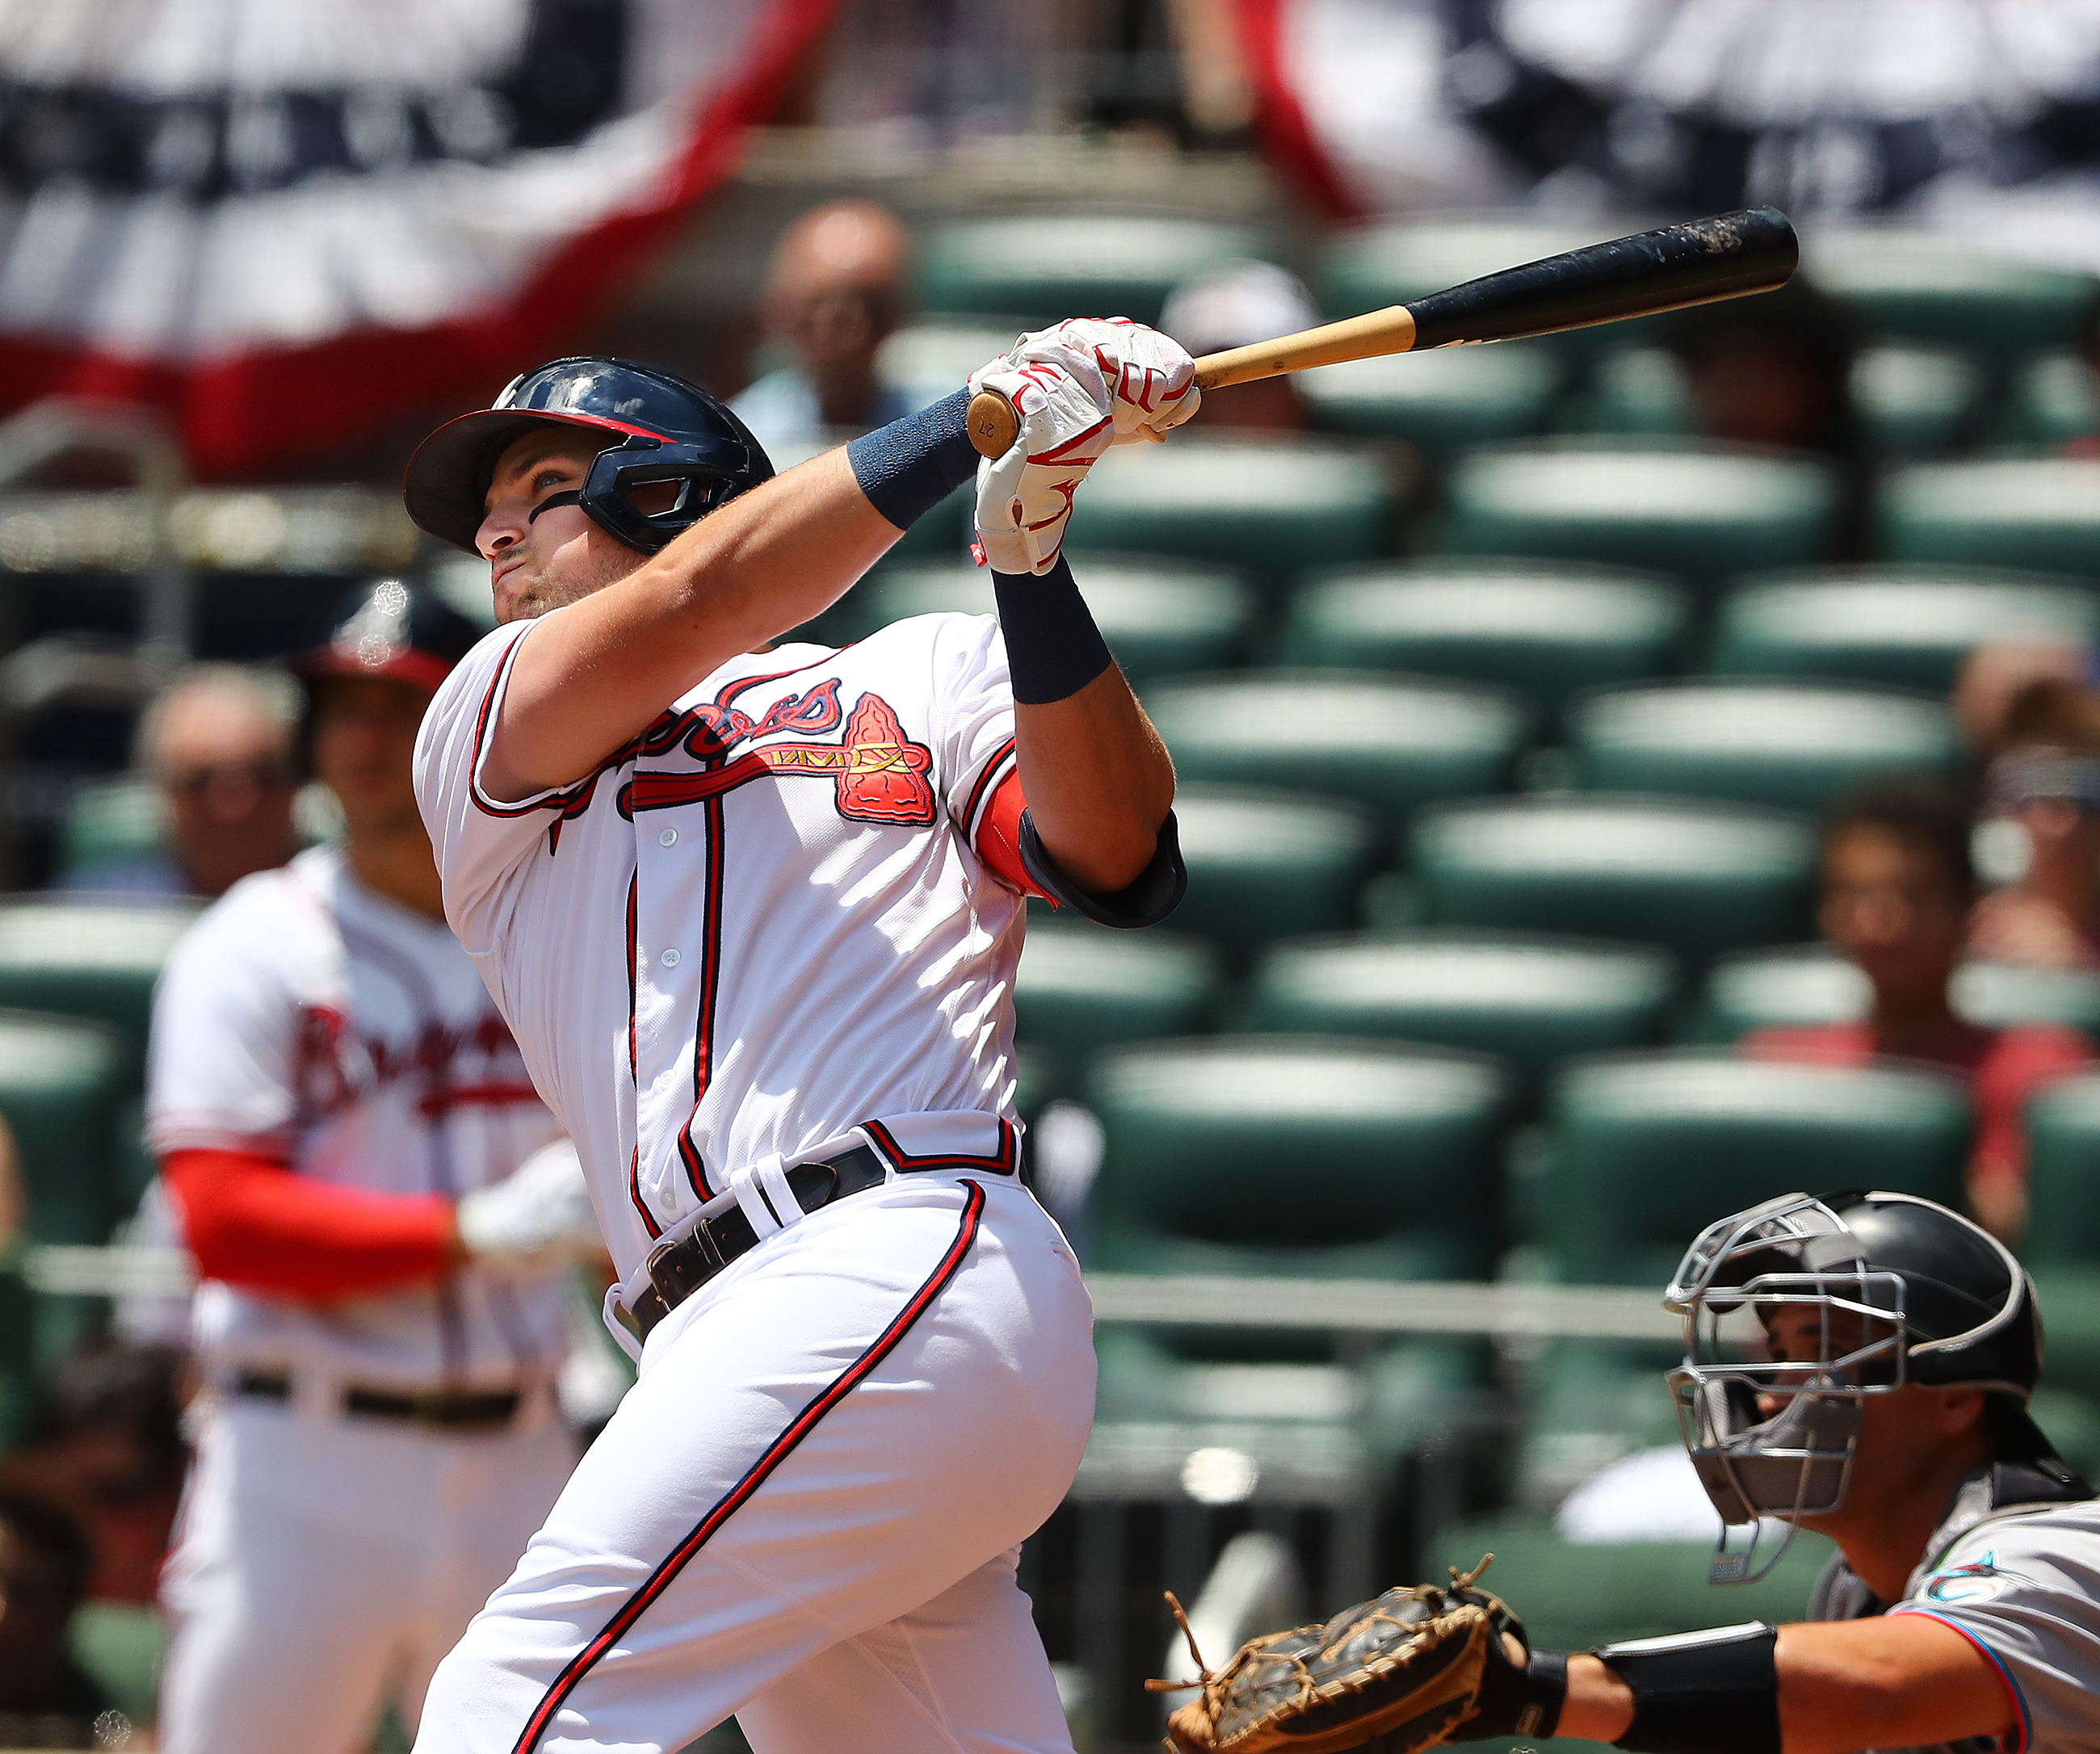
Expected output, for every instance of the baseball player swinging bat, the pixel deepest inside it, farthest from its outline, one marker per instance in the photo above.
(1696, 264)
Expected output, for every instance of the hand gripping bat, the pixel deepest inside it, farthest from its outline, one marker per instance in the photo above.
(1696, 264)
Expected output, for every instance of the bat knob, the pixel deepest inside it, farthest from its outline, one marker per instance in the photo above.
(992, 424)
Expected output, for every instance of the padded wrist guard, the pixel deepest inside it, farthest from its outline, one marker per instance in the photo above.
(1713, 1692)
(908, 467)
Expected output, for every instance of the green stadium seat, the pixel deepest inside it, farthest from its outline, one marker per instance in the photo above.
(120, 1645)
(1037, 269)
(1439, 401)
(112, 819)
(1547, 628)
(61, 1082)
(1390, 743)
(1798, 745)
(2052, 399)
(1924, 287)
(925, 361)
(1268, 865)
(1633, 391)
(1160, 617)
(1082, 988)
(1695, 508)
(1908, 625)
(1530, 1000)
(89, 959)
(1273, 507)
(1697, 878)
(1394, 263)
(2064, 1145)
(1648, 1148)
(1811, 984)
(2038, 513)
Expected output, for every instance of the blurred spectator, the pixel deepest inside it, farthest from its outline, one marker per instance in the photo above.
(1235, 305)
(2047, 781)
(1992, 677)
(835, 292)
(1897, 888)
(46, 1699)
(220, 744)
(109, 1425)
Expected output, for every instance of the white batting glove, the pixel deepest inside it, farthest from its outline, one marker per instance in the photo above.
(540, 1213)
(1025, 497)
(1149, 375)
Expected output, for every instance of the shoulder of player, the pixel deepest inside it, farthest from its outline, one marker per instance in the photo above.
(2058, 1536)
(265, 916)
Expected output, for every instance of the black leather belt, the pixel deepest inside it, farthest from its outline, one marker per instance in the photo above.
(678, 1269)
(437, 1409)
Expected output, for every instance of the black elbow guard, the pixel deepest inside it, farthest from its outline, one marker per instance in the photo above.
(1712, 1692)
(1148, 898)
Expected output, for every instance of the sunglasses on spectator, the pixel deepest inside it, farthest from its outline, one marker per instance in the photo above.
(194, 781)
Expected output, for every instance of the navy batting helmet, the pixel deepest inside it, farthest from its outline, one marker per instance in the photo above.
(387, 628)
(651, 426)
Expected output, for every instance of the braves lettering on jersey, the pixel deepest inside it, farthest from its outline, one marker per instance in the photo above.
(774, 926)
(305, 1019)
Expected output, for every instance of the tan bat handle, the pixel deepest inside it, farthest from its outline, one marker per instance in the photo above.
(994, 425)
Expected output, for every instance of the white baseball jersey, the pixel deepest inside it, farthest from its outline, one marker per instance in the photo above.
(306, 1018)
(772, 924)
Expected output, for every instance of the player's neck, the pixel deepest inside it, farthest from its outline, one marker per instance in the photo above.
(1885, 1538)
(399, 865)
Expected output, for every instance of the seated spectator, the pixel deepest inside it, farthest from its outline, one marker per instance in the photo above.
(2047, 780)
(220, 744)
(1236, 305)
(110, 1425)
(835, 292)
(1897, 888)
(46, 1699)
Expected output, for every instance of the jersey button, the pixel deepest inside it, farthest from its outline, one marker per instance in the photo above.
(669, 958)
(668, 838)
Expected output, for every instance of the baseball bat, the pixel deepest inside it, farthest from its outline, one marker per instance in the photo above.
(1696, 264)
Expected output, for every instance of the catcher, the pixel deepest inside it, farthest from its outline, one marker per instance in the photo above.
(1858, 1364)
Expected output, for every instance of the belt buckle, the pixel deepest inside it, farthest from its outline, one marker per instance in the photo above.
(679, 1267)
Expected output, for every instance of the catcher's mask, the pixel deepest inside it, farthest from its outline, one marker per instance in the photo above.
(1896, 1290)
(652, 426)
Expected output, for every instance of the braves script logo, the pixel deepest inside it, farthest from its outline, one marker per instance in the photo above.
(877, 772)
(338, 1068)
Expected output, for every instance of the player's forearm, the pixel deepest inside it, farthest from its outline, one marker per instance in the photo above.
(593, 677)
(1098, 781)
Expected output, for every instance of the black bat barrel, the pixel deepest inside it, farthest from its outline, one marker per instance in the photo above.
(1753, 251)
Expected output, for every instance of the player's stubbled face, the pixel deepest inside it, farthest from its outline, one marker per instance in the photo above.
(540, 563)
(364, 742)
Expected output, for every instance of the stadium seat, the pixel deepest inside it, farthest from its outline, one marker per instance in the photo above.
(1036, 269)
(1529, 1000)
(1811, 984)
(1547, 628)
(1908, 625)
(1440, 401)
(926, 360)
(2063, 1137)
(61, 1082)
(1272, 507)
(93, 960)
(1268, 865)
(1918, 286)
(121, 1645)
(1794, 745)
(1082, 988)
(1390, 743)
(1912, 401)
(1160, 617)
(2051, 398)
(1697, 878)
(1393, 263)
(105, 819)
(1694, 509)
(1646, 1149)
(2039, 512)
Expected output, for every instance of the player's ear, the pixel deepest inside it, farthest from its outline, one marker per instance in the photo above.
(1959, 1410)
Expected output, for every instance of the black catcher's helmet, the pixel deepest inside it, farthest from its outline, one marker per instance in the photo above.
(654, 427)
(388, 627)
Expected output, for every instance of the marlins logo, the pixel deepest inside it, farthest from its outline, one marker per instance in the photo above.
(1979, 1581)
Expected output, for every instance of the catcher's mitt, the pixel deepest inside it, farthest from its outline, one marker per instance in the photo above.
(1408, 1667)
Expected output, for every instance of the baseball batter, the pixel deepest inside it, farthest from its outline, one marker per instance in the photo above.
(753, 914)
(381, 1209)
(1858, 1364)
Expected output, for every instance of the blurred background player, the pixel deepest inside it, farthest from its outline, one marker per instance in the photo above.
(382, 1212)
(835, 292)
(1897, 888)
(219, 745)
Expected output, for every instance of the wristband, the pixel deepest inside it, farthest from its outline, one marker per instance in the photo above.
(1053, 649)
(1701, 1692)
(908, 467)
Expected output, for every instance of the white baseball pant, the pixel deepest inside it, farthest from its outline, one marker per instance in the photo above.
(807, 1512)
(325, 1563)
